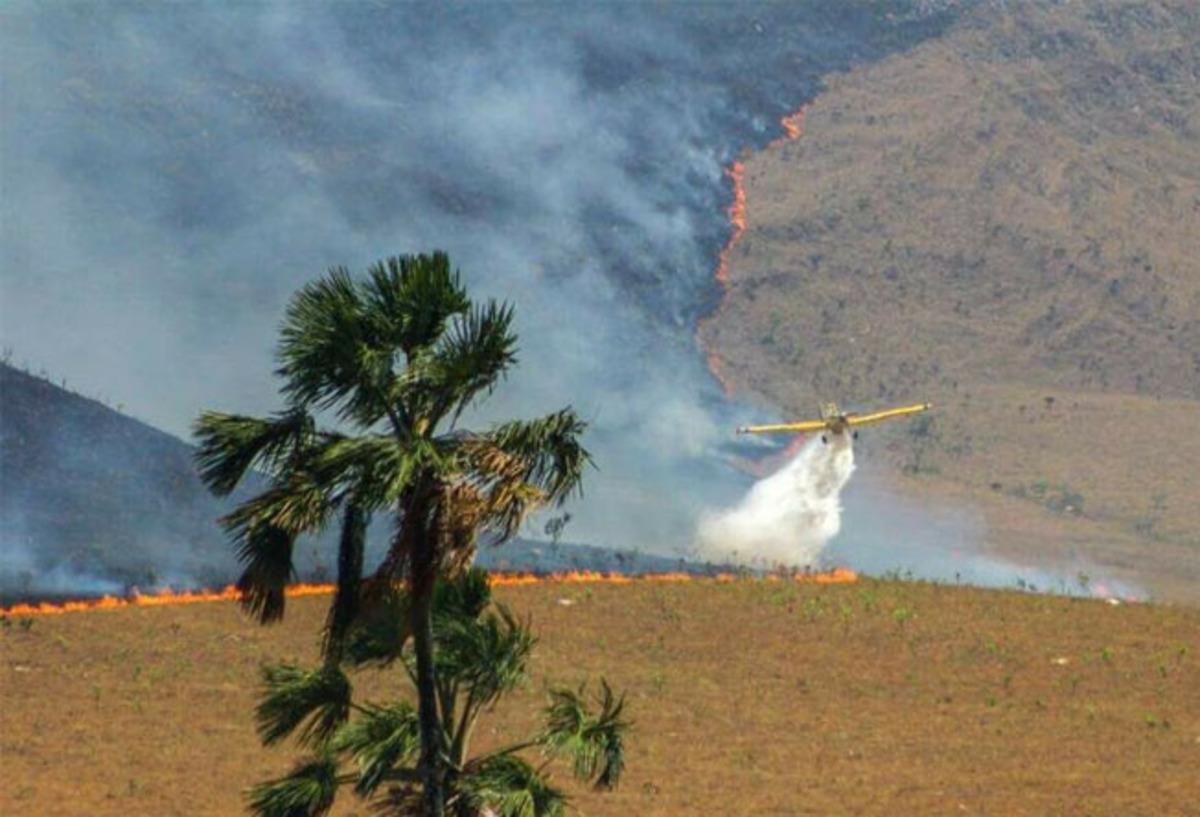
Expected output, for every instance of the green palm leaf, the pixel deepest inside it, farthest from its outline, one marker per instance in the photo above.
(594, 744)
(317, 700)
(266, 552)
(507, 786)
(489, 656)
(307, 792)
(379, 741)
(230, 444)
(382, 630)
(549, 448)
(469, 359)
(320, 340)
(463, 597)
(410, 298)
(344, 609)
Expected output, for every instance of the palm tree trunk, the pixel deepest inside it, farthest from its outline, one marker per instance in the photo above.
(431, 769)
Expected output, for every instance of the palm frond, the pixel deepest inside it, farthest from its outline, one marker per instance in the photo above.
(508, 786)
(308, 791)
(328, 354)
(298, 504)
(464, 597)
(317, 700)
(548, 449)
(490, 493)
(230, 444)
(383, 627)
(594, 744)
(410, 298)
(266, 553)
(488, 656)
(470, 358)
(377, 466)
(383, 738)
(344, 608)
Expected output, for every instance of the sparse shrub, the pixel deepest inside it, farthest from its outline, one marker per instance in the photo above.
(1154, 721)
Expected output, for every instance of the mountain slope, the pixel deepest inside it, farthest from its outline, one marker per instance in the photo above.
(1006, 221)
(92, 499)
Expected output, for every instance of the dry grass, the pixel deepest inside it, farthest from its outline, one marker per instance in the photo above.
(750, 698)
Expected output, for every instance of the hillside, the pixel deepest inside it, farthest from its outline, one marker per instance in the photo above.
(91, 499)
(747, 698)
(1005, 221)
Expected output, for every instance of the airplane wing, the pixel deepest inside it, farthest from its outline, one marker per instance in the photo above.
(784, 428)
(878, 416)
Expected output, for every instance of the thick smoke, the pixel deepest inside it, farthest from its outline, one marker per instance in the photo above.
(172, 173)
(788, 518)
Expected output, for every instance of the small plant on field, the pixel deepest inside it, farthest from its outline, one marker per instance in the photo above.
(902, 615)
(1153, 721)
(659, 682)
(481, 652)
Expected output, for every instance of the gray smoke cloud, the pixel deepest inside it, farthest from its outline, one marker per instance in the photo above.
(172, 173)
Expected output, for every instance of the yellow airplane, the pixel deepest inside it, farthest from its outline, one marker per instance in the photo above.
(835, 421)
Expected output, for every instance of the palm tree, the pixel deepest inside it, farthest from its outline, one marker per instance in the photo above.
(480, 653)
(394, 359)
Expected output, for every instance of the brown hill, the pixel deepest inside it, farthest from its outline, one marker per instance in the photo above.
(1005, 221)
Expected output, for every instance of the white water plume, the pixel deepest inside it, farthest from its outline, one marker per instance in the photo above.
(788, 518)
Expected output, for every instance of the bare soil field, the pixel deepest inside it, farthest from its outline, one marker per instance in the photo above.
(749, 697)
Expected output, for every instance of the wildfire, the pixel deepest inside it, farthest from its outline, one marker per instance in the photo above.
(165, 598)
(715, 365)
(793, 127)
(737, 219)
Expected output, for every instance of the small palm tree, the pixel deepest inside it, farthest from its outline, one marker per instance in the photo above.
(395, 359)
(480, 655)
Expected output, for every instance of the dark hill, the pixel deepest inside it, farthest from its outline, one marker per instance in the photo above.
(92, 499)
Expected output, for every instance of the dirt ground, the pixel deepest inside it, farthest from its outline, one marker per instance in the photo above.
(749, 698)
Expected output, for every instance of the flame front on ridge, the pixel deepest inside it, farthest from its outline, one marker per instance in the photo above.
(793, 127)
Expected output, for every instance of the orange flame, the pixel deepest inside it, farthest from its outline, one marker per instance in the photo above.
(793, 127)
(737, 219)
(165, 598)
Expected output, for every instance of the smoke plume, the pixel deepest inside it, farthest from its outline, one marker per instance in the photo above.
(787, 518)
(172, 173)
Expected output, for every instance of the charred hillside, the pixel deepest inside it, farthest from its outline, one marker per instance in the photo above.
(91, 499)
(1005, 221)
